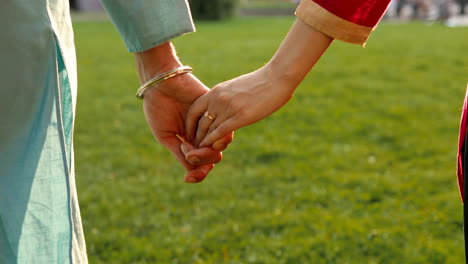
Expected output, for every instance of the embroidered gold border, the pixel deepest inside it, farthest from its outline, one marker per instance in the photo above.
(329, 24)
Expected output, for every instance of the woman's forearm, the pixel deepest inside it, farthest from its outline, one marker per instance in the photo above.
(297, 54)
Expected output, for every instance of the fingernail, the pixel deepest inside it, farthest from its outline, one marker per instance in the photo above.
(193, 159)
(190, 180)
(184, 148)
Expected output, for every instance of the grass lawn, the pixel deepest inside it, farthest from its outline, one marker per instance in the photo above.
(359, 167)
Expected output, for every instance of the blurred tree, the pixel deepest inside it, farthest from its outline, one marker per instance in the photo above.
(213, 9)
(73, 4)
(463, 6)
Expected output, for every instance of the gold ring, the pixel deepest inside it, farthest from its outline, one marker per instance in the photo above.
(208, 115)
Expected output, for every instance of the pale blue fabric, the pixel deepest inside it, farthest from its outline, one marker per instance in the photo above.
(39, 214)
(146, 23)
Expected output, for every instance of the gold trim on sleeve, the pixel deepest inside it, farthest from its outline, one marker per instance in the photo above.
(328, 23)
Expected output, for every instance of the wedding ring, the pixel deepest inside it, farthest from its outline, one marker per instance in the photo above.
(208, 116)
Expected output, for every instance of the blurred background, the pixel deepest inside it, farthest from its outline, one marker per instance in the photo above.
(359, 167)
(428, 10)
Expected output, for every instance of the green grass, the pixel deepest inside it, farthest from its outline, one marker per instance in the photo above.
(358, 168)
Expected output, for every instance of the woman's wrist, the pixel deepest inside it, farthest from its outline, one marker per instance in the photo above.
(282, 76)
(297, 54)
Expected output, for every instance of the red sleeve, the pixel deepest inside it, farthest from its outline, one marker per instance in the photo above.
(362, 12)
(347, 20)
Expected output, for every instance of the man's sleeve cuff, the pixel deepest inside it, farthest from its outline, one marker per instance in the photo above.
(153, 40)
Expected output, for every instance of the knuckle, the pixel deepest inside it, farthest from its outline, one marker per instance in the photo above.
(223, 98)
(237, 106)
(242, 115)
(222, 129)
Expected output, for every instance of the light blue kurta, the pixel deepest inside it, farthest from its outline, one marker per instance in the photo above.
(39, 215)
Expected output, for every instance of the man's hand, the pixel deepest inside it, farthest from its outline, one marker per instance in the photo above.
(166, 106)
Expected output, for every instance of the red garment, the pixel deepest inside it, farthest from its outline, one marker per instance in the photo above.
(461, 142)
(362, 12)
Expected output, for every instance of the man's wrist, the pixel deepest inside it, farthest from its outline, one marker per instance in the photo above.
(160, 59)
(156, 60)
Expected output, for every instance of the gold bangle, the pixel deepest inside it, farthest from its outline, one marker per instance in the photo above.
(160, 78)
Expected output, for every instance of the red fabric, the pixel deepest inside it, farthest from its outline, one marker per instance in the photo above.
(461, 141)
(362, 12)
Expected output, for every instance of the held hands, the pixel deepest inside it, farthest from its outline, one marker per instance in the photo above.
(166, 106)
(165, 115)
(208, 122)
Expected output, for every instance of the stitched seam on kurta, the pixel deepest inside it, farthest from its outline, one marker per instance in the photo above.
(58, 103)
(328, 23)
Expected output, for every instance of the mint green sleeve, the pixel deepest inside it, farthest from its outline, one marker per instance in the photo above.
(143, 24)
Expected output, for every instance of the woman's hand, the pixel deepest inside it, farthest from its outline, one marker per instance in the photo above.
(234, 104)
